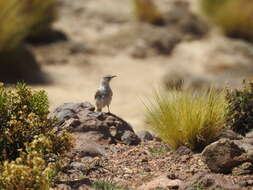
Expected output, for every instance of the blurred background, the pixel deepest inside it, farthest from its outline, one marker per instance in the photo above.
(65, 47)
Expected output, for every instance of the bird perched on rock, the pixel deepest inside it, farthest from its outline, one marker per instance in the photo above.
(103, 96)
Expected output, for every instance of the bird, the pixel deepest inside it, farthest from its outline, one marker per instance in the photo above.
(103, 96)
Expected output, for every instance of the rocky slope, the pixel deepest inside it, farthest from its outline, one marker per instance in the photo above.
(106, 149)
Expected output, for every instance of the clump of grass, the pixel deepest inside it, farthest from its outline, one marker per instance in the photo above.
(234, 17)
(19, 19)
(187, 118)
(146, 11)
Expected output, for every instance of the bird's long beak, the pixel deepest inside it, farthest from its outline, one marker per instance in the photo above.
(113, 76)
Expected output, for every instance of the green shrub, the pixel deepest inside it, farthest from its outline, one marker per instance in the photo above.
(23, 115)
(27, 172)
(27, 139)
(234, 17)
(20, 18)
(240, 108)
(186, 117)
(146, 11)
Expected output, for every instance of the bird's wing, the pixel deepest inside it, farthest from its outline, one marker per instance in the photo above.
(98, 95)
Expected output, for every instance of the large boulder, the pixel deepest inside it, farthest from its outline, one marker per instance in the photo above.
(222, 156)
(206, 180)
(89, 127)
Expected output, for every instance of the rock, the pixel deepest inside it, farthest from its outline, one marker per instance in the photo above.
(70, 110)
(206, 180)
(243, 169)
(144, 39)
(249, 138)
(62, 187)
(181, 17)
(91, 150)
(93, 127)
(130, 138)
(144, 135)
(249, 135)
(85, 187)
(161, 182)
(183, 150)
(77, 166)
(114, 149)
(222, 155)
(229, 134)
(244, 144)
(139, 50)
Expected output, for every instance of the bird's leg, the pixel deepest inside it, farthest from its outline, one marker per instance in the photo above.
(108, 109)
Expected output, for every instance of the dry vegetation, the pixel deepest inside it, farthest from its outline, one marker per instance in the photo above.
(186, 117)
(18, 19)
(234, 17)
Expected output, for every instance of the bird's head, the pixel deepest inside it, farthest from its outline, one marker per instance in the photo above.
(108, 78)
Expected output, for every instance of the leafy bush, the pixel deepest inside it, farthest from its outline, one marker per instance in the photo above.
(186, 117)
(145, 10)
(240, 108)
(20, 18)
(28, 140)
(235, 17)
(27, 172)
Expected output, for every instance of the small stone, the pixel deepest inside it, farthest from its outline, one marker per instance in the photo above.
(92, 150)
(147, 169)
(77, 166)
(130, 138)
(161, 182)
(144, 160)
(127, 175)
(183, 150)
(144, 136)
